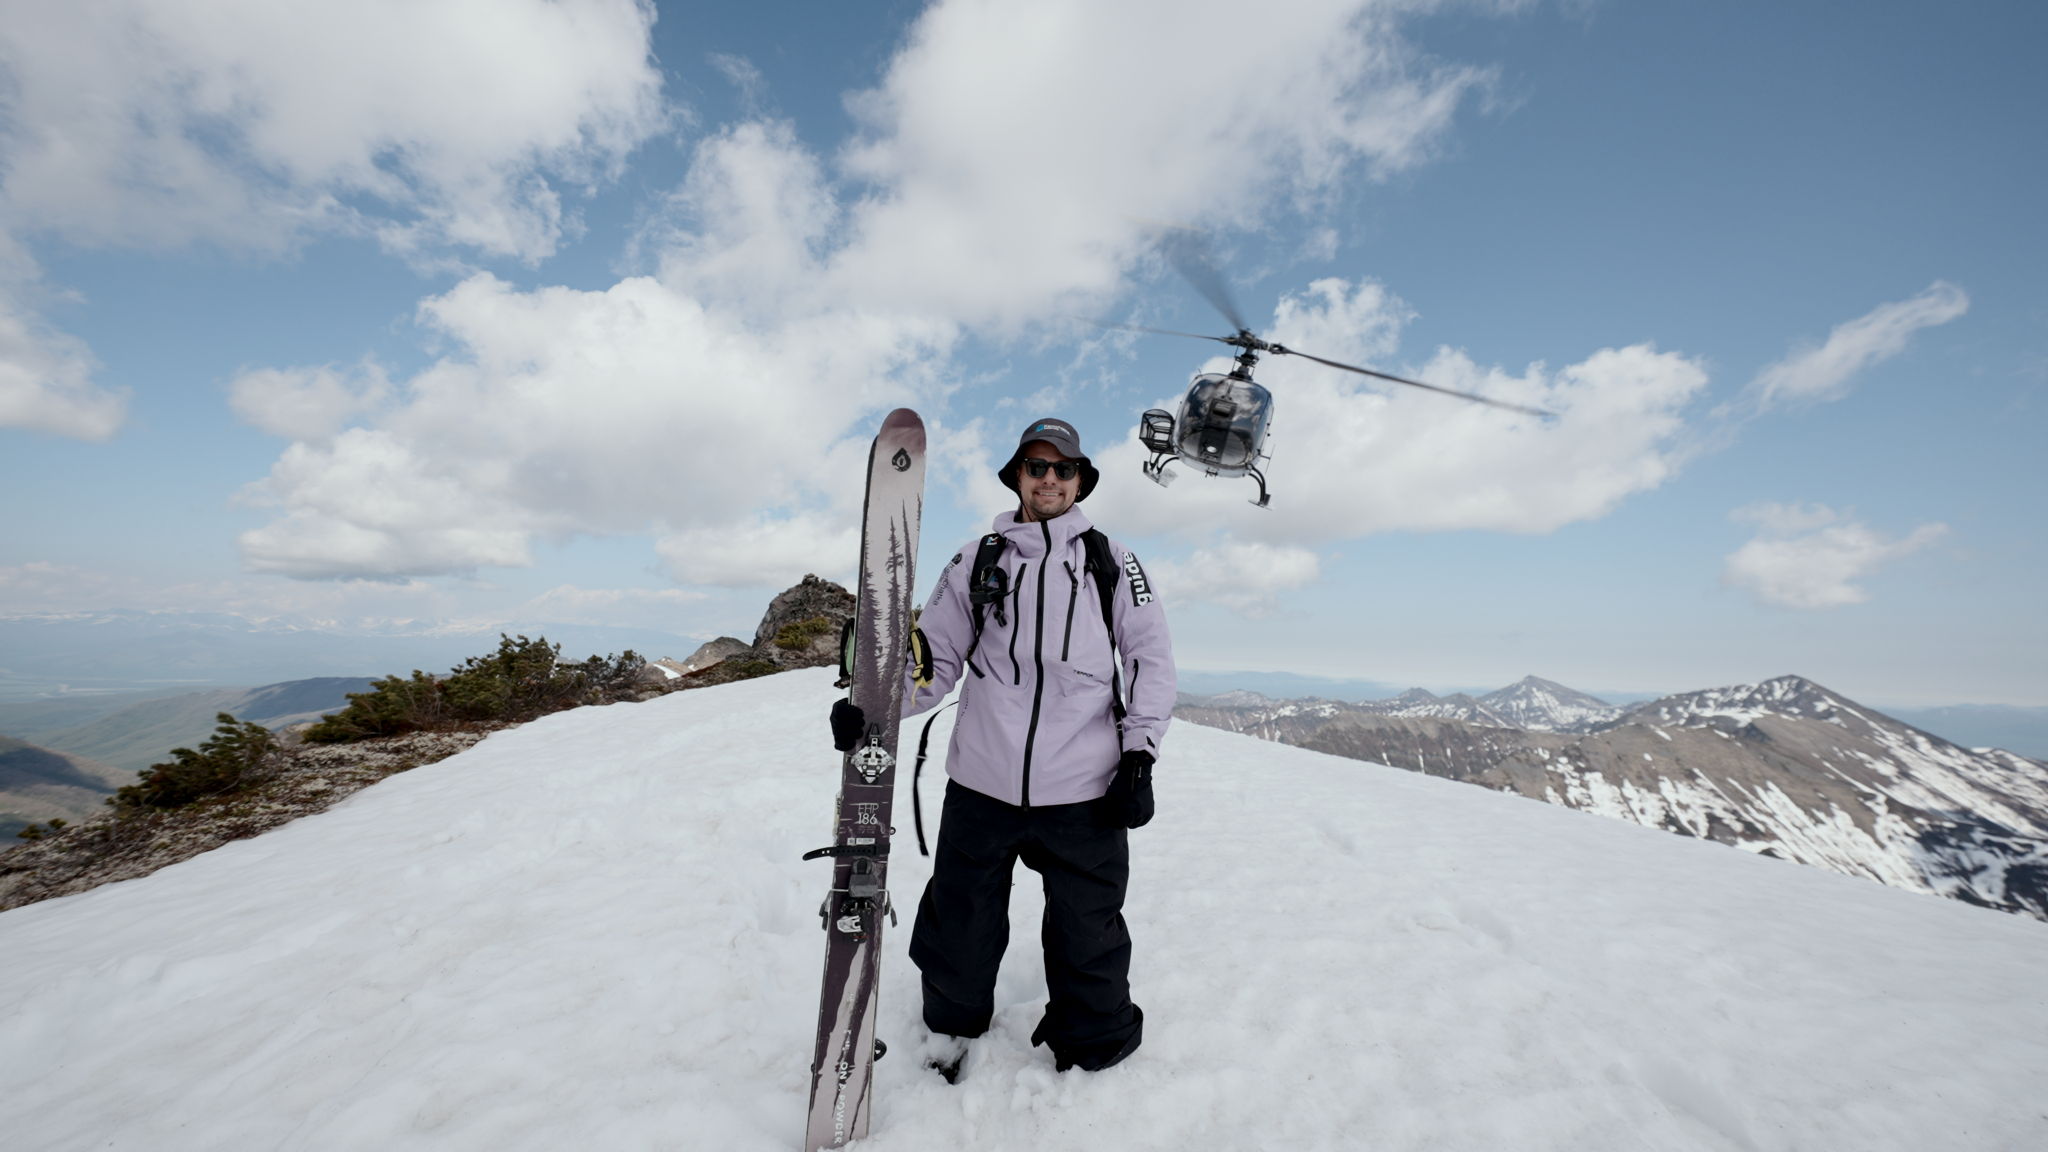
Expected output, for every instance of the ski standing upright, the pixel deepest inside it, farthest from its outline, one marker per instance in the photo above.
(873, 661)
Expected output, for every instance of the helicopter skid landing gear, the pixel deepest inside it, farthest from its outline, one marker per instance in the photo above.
(1156, 469)
(1264, 500)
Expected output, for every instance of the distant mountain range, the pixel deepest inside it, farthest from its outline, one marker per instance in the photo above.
(38, 783)
(1785, 768)
(2017, 729)
(64, 757)
(45, 654)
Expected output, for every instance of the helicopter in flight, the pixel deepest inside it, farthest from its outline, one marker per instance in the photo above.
(1223, 420)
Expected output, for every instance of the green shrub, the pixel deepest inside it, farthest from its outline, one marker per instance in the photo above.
(523, 679)
(38, 831)
(608, 678)
(233, 758)
(391, 706)
(798, 636)
(747, 669)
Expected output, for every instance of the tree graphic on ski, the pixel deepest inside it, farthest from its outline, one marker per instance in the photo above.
(842, 1064)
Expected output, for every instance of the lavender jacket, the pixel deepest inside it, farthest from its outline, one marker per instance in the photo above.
(1035, 722)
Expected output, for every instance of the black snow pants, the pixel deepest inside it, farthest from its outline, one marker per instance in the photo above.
(963, 924)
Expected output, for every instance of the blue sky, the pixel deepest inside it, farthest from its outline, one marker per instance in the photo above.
(378, 313)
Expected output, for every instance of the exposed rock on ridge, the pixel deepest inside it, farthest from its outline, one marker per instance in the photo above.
(1784, 768)
(800, 629)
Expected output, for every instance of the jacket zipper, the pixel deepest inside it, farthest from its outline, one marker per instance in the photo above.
(1016, 601)
(1038, 662)
(1066, 644)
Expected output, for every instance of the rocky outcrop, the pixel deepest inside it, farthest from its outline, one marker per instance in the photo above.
(301, 779)
(708, 653)
(801, 627)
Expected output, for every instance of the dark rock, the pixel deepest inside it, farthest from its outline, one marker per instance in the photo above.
(802, 625)
(707, 654)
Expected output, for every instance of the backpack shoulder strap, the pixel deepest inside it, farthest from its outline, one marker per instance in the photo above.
(987, 554)
(1102, 562)
(989, 550)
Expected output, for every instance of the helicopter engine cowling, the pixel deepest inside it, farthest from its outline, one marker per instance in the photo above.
(1223, 422)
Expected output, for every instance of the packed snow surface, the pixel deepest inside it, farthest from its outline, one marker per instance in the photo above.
(594, 931)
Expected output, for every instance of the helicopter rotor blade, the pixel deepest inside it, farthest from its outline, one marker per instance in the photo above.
(1160, 331)
(1189, 253)
(1418, 384)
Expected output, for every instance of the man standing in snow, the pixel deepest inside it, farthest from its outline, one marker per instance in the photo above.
(1048, 764)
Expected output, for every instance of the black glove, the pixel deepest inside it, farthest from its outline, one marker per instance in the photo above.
(849, 724)
(1129, 800)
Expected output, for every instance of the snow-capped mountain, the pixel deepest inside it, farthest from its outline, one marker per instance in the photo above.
(595, 931)
(1784, 768)
(1533, 704)
(1457, 706)
(1541, 705)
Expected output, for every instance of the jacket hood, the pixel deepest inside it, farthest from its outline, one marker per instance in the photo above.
(1029, 538)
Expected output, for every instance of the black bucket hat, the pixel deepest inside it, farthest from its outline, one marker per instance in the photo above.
(1064, 439)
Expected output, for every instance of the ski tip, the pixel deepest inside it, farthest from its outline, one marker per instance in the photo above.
(904, 426)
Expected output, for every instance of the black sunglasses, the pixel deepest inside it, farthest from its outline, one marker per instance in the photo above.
(1064, 469)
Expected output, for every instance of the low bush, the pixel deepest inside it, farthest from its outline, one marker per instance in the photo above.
(37, 831)
(393, 705)
(523, 679)
(237, 756)
(727, 671)
(798, 636)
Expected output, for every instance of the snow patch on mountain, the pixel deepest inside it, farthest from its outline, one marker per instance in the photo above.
(1541, 705)
(1784, 768)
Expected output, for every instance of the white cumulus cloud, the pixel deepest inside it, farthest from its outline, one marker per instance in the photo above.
(765, 549)
(722, 402)
(306, 403)
(370, 504)
(1817, 374)
(1246, 576)
(245, 122)
(1353, 456)
(561, 412)
(1016, 147)
(433, 125)
(1811, 556)
(46, 380)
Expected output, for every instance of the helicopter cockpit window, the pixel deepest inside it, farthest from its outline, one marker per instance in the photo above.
(1223, 420)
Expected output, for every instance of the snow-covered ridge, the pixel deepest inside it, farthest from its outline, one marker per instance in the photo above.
(1785, 695)
(1534, 704)
(595, 931)
(1784, 768)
